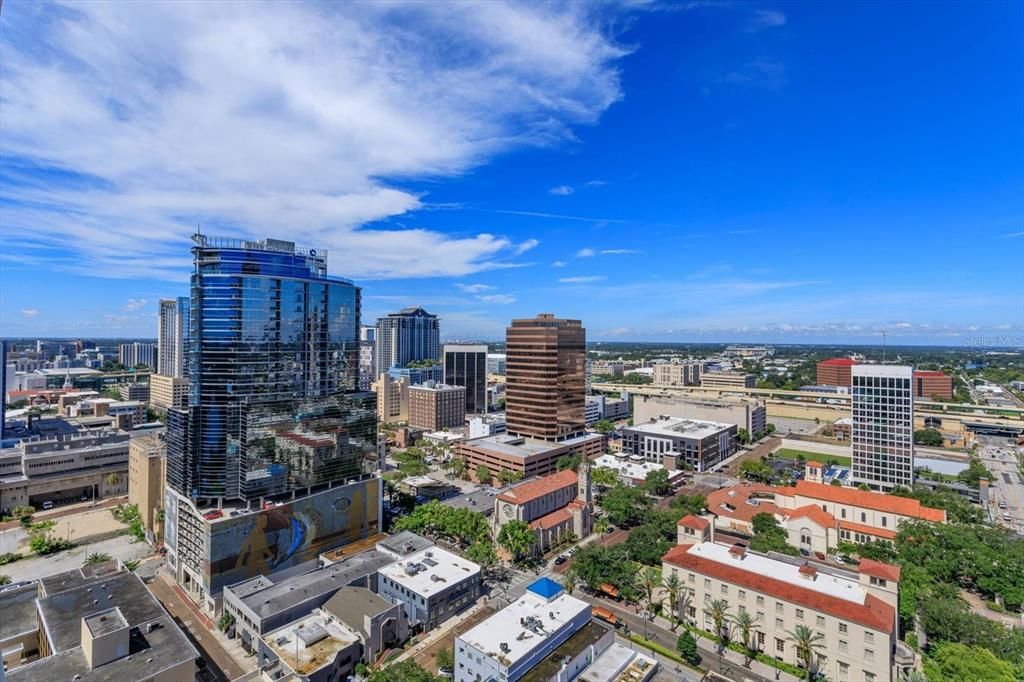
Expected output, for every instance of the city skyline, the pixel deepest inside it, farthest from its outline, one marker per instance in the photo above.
(722, 173)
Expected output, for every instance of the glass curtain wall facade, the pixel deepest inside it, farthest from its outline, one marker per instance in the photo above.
(883, 426)
(545, 378)
(466, 365)
(273, 352)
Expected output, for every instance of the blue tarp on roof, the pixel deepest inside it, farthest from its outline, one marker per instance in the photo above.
(545, 587)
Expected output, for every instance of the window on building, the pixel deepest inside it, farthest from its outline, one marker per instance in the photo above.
(707, 584)
(743, 594)
(869, 677)
(725, 589)
(863, 517)
(869, 655)
(779, 623)
(844, 672)
(760, 640)
(842, 645)
(884, 522)
(760, 601)
(780, 645)
(778, 607)
(800, 614)
(842, 627)
(869, 637)
(821, 621)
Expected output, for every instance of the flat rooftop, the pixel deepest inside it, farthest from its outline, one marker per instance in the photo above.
(18, 606)
(510, 626)
(830, 584)
(105, 622)
(688, 428)
(518, 446)
(619, 663)
(430, 571)
(626, 466)
(308, 644)
(277, 597)
(481, 500)
(548, 668)
(404, 543)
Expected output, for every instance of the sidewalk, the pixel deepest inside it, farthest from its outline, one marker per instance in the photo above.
(709, 652)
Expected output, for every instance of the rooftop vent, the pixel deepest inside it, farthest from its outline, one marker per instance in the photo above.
(505, 648)
(737, 551)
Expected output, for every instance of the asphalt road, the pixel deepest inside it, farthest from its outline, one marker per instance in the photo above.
(999, 456)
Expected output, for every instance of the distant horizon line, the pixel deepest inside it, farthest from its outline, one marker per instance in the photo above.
(964, 347)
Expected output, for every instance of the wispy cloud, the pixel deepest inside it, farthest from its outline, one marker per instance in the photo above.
(582, 279)
(474, 288)
(29, 312)
(497, 298)
(134, 304)
(761, 19)
(298, 138)
(617, 252)
(561, 191)
(1012, 235)
(523, 247)
(558, 264)
(740, 232)
(586, 253)
(595, 183)
(764, 73)
(556, 216)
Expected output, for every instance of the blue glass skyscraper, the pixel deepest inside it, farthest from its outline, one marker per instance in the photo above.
(273, 356)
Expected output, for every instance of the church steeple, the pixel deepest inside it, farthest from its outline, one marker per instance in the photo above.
(583, 483)
(67, 378)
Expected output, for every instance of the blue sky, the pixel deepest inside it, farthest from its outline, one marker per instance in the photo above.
(787, 172)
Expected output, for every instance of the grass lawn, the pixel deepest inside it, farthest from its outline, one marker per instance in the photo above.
(790, 453)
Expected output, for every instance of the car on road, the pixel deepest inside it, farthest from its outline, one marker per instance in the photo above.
(560, 559)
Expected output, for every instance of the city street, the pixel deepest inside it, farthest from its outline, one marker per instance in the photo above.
(999, 455)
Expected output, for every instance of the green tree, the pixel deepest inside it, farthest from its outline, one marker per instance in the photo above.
(688, 504)
(131, 565)
(459, 467)
(756, 470)
(636, 379)
(743, 436)
(769, 536)
(808, 644)
(508, 476)
(646, 544)
(445, 660)
(928, 437)
(5, 579)
(571, 581)
(673, 586)
(225, 622)
(484, 475)
(482, 553)
(603, 477)
(604, 426)
(517, 538)
(649, 580)
(956, 662)
(686, 645)
(569, 462)
(656, 482)
(624, 505)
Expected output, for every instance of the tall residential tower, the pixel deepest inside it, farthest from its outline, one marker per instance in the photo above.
(172, 335)
(466, 365)
(410, 335)
(264, 465)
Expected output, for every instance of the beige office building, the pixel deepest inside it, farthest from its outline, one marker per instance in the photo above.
(147, 478)
(167, 392)
(677, 374)
(746, 413)
(392, 399)
(728, 380)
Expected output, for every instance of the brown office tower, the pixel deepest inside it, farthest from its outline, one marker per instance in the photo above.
(545, 378)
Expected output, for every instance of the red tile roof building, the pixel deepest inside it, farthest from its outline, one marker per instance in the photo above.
(855, 611)
(553, 506)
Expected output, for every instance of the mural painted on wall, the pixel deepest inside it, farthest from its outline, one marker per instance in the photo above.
(277, 538)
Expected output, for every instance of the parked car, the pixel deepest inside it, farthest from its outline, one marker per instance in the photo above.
(560, 559)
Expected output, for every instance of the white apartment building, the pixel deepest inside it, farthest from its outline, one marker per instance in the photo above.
(431, 585)
(681, 443)
(882, 435)
(511, 642)
(172, 337)
(855, 610)
(167, 392)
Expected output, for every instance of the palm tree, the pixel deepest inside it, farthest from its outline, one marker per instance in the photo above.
(807, 643)
(746, 624)
(459, 467)
(649, 581)
(572, 580)
(672, 586)
(685, 601)
(113, 478)
(912, 676)
(719, 612)
(131, 565)
(97, 558)
(601, 526)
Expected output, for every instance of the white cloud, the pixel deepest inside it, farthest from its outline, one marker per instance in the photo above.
(561, 191)
(586, 253)
(289, 120)
(583, 279)
(134, 304)
(474, 288)
(558, 264)
(617, 252)
(595, 183)
(497, 298)
(29, 312)
(1012, 235)
(523, 247)
(765, 18)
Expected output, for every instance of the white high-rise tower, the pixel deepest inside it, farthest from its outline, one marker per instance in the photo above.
(883, 426)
